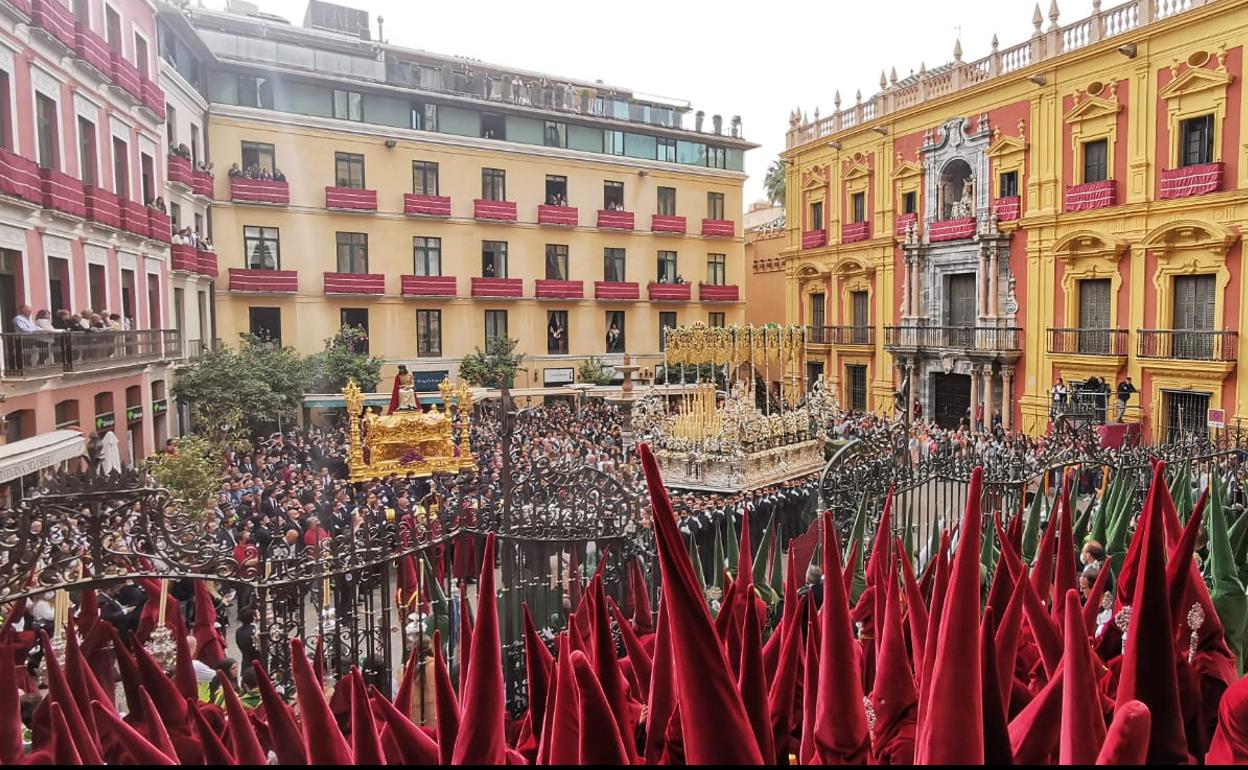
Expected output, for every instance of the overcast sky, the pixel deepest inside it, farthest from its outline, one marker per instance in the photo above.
(757, 60)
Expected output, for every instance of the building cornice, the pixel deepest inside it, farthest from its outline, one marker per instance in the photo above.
(303, 122)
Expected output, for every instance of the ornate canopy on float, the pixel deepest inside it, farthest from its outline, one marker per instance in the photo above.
(417, 442)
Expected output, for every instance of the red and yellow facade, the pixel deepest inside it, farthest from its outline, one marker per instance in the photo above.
(1106, 167)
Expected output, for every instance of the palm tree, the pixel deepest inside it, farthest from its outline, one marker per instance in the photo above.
(774, 182)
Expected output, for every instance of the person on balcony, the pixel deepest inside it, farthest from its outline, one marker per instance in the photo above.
(1125, 389)
(22, 322)
(43, 319)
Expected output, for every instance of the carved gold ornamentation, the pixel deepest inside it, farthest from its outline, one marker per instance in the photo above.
(417, 442)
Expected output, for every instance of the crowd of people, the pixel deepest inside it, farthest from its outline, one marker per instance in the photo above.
(202, 166)
(256, 172)
(27, 321)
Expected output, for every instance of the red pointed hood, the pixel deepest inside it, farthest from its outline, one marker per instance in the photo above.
(752, 682)
(88, 611)
(662, 694)
(997, 749)
(10, 711)
(184, 669)
(538, 663)
(408, 583)
(782, 696)
(208, 645)
(606, 665)
(59, 691)
(563, 746)
(1092, 608)
(365, 743)
(1042, 570)
(481, 737)
(916, 608)
(643, 615)
(138, 748)
(322, 739)
(149, 616)
(1043, 630)
(153, 727)
(215, 752)
(1083, 721)
(284, 735)
(445, 703)
(1149, 662)
(710, 705)
(403, 698)
(244, 743)
(600, 739)
(465, 638)
(807, 753)
(82, 681)
(1064, 575)
(1009, 637)
(414, 744)
(639, 660)
(893, 695)
(1036, 731)
(64, 750)
(1230, 739)
(951, 726)
(1126, 743)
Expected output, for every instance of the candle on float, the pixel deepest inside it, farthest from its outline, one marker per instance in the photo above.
(164, 601)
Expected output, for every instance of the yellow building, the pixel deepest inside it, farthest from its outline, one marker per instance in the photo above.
(435, 201)
(1069, 207)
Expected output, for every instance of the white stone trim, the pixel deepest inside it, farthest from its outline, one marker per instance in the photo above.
(95, 254)
(12, 237)
(55, 246)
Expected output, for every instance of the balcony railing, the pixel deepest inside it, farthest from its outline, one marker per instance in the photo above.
(1187, 345)
(272, 192)
(500, 211)
(661, 223)
(202, 183)
(841, 335)
(1008, 208)
(852, 232)
(46, 354)
(951, 229)
(264, 281)
(813, 239)
(350, 199)
(549, 288)
(426, 205)
(126, 76)
(1088, 342)
(719, 228)
(1187, 181)
(103, 207)
(19, 178)
(615, 220)
(719, 292)
(91, 49)
(669, 292)
(180, 171)
(153, 97)
(55, 19)
(616, 290)
(983, 338)
(1091, 195)
(558, 216)
(427, 285)
(183, 257)
(63, 193)
(355, 283)
(206, 263)
(501, 288)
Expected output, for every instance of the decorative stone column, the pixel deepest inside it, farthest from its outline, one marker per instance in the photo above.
(989, 406)
(994, 269)
(981, 285)
(975, 374)
(1007, 396)
(906, 304)
(912, 388)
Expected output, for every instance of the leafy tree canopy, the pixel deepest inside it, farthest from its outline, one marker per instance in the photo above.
(494, 367)
(191, 472)
(344, 358)
(594, 372)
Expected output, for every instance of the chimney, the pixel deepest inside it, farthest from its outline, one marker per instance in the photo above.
(717, 121)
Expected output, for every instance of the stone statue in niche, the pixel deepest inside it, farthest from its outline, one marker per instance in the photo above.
(1011, 300)
(964, 206)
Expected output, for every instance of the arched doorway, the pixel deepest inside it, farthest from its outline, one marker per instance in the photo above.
(956, 183)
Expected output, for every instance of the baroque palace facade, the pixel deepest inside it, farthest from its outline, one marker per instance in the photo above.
(436, 201)
(1069, 207)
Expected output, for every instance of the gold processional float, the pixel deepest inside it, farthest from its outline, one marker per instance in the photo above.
(722, 441)
(409, 440)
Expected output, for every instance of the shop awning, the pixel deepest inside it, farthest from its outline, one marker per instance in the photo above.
(46, 450)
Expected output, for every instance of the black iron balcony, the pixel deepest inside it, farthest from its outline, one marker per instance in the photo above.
(971, 338)
(1187, 344)
(841, 335)
(43, 354)
(1088, 342)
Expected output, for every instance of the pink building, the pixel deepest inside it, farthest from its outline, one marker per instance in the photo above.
(81, 158)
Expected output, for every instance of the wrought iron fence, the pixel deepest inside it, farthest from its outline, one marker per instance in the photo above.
(984, 338)
(41, 354)
(1088, 342)
(1188, 345)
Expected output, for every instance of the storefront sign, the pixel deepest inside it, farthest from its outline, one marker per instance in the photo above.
(159, 407)
(134, 414)
(1217, 418)
(428, 382)
(561, 376)
(106, 421)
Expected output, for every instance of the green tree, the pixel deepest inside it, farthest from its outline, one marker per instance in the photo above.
(493, 367)
(237, 392)
(594, 372)
(344, 359)
(774, 182)
(191, 472)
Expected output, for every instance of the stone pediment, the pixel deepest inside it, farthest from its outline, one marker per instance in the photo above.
(1195, 79)
(815, 176)
(1088, 106)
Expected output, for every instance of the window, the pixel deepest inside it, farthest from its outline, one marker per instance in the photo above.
(428, 333)
(58, 283)
(349, 170)
(175, 214)
(262, 247)
(493, 127)
(816, 216)
(557, 332)
(121, 169)
(348, 105)
(46, 127)
(495, 324)
(424, 177)
(1197, 137)
(714, 205)
(140, 54)
(818, 307)
(667, 201)
(666, 150)
(147, 175)
(556, 262)
(493, 184)
(112, 28)
(258, 156)
(82, 13)
(556, 190)
(613, 264)
(667, 320)
(88, 161)
(97, 285)
(255, 92)
(153, 301)
(194, 144)
(266, 323)
(666, 271)
(556, 134)
(494, 259)
(6, 112)
(861, 309)
(1095, 162)
(716, 157)
(613, 142)
(613, 196)
(856, 374)
(424, 117)
(615, 331)
(352, 252)
(199, 224)
(356, 318)
(716, 269)
(859, 203)
(909, 201)
(1094, 317)
(716, 320)
(427, 255)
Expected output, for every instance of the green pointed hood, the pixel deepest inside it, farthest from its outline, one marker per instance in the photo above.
(1226, 590)
(1031, 528)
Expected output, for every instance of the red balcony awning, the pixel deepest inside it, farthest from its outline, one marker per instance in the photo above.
(1008, 209)
(63, 193)
(264, 281)
(19, 178)
(903, 223)
(667, 224)
(202, 183)
(552, 289)
(427, 285)
(813, 239)
(91, 49)
(501, 211)
(183, 257)
(1191, 180)
(126, 76)
(103, 207)
(617, 290)
(712, 293)
(615, 220)
(855, 231)
(669, 292)
(180, 171)
(426, 205)
(206, 263)
(719, 228)
(244, 190)
(350, 199)
(951, 229)
(55, 19)
(505, 288)
(1092, 195)
(355, 283)
(559, 216)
